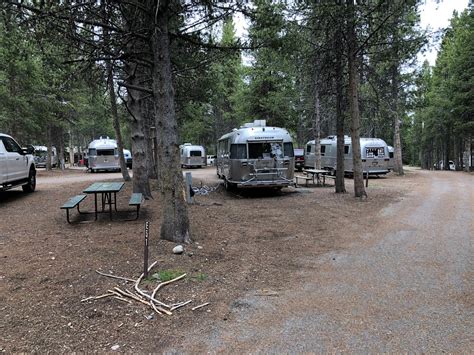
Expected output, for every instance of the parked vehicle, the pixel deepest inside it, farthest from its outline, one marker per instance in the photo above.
(391, 162)
(451, 165)
(211, 160)
(41, 156)
(374, 153)
(192, 155)
(128, 158)
(299, 159)
(17, 165)
(256, 156)
(103, 155)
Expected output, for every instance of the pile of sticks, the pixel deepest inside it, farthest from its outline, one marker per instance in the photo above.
(142, 296)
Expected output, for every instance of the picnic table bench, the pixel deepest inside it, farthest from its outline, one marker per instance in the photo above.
(136, 200)
(108, 192)
(71, 203)
(303, 177)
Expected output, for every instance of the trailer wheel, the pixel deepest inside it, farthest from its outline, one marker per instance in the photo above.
(228, 185)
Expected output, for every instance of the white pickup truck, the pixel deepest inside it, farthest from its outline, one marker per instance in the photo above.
(17, 165)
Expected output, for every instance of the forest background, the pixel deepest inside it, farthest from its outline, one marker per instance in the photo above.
(157, 74)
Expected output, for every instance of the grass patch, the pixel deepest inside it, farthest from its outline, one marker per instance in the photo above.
(200, 276)
(166, 275)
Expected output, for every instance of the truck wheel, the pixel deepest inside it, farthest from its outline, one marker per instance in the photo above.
(31, 185)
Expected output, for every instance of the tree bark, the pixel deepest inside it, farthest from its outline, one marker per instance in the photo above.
(397, 145)
(134, 102)
(175, 221)
(317, 123)
(359, 189)
(340, 183)
(49, 147)
(71, 149)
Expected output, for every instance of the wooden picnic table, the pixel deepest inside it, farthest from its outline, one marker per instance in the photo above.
(105, 189)
(319, 174)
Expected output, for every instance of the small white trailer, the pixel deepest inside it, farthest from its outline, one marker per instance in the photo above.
(192, 155)
(103, 155)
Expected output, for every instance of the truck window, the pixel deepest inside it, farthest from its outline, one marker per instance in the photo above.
(10, 145)
(238, 151)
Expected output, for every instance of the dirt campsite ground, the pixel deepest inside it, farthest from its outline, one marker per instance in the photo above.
(252, 256)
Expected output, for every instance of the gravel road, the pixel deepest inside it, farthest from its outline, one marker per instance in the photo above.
(405, 286)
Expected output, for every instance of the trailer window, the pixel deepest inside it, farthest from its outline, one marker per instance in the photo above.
(92, 151)
(323, 150)
(195, 153)
(390, 155)
(265, 150)
(308, 148)
(105, 152)
(288, 150)
(346, 149)
(375, 152)
(238, 151)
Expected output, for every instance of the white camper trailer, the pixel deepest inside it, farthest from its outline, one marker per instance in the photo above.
(374, 153)
(103, 155)
(192, 155)
(256, 156)
(41, 156)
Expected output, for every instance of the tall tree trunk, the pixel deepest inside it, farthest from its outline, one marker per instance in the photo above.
(340, 184)
(137, 129)
(175, 221)
(71, 149)
(397, 145)
(49, 147)
(116, 120)
(359, 189)
(150, 130)
(113, 98)
(317, 123)
(61, 149)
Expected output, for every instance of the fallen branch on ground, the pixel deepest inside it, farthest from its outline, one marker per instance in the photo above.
(141, 295)
(200, 306)
(115, 277)
(96, 297)
(179, 305)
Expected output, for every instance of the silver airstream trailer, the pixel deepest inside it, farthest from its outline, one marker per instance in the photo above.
(374, 153)
(192, 155)
(41, 156)
(256, 156)
(103, 155)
